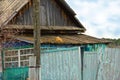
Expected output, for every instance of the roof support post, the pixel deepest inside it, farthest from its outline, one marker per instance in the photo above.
(37, 31)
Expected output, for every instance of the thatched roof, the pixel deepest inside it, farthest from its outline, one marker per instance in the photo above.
(63, 39)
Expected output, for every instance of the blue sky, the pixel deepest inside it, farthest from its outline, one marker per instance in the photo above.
(101, 18)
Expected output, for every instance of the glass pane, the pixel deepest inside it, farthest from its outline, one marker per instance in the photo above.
(14, 58)
(14, 53)
(8, 59)
(24, 63)
(14, 64)
(23, 58)
(22, 52)
(8, 65)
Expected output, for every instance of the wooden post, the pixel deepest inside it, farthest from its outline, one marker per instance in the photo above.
(37, 31)
(32, 64)
(82, 62)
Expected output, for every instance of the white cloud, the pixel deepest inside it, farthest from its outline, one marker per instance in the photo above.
(100, 17)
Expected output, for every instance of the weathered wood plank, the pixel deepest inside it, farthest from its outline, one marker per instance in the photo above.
(8, 12)
(51, 14)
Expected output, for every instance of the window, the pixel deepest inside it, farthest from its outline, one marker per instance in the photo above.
(17, 58)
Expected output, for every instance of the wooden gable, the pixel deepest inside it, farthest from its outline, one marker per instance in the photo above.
(53, 13)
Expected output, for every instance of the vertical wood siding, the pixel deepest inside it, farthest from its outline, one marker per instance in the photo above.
(51, 15)
(110, 63)
(61, 65)
(65, 64)
(102, 65)
(58, 64)
(90, 65)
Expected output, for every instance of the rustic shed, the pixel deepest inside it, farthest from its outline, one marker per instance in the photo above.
(59, 26)
(59, 29)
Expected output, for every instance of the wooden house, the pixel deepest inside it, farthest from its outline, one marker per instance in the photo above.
(59, 27)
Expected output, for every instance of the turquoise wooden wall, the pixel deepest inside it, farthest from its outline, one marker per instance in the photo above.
(90, 65)
(102, 65)
(109, 65)
(69, 64)
(61, 64)
(56, 64)
(21, 45)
